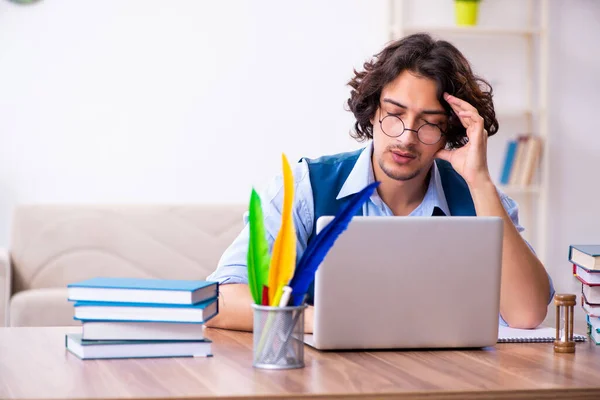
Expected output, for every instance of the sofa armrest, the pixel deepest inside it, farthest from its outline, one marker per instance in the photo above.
(5, 286)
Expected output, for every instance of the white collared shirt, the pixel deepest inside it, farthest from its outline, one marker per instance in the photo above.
(232, 266)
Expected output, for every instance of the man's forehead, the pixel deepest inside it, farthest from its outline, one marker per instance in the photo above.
(429, 107)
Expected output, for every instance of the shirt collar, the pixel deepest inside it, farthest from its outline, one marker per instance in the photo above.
(362, 175)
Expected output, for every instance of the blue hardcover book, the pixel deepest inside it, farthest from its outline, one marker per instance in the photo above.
(587, 256)
(94, 349)
(146, 312)
(511, 150)
(136, 290)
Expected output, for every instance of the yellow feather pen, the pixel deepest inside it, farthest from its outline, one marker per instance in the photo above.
(283, 258)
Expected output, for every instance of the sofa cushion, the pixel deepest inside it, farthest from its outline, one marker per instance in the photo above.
(54, 245)
(41, 307)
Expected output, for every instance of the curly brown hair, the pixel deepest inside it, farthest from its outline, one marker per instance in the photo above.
(435, 59)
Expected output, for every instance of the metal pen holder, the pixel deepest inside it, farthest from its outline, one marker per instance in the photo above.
(278, 337)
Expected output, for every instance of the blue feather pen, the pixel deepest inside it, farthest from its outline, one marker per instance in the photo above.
(318, 248)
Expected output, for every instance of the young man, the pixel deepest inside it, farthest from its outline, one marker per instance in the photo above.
(428, 118)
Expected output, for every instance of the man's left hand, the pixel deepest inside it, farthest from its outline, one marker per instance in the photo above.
(470, 161)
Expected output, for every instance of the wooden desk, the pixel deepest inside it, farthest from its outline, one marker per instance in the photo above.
(35, 365)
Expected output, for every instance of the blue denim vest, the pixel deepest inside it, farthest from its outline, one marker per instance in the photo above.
(327, 176)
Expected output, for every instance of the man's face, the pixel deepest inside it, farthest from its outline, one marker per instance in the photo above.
(414, 100)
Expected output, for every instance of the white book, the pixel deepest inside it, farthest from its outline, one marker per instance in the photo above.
(110, 330)
(591, 293)
(93, 349)
(588, 277)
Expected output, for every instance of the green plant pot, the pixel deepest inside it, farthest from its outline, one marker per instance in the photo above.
(466, 12)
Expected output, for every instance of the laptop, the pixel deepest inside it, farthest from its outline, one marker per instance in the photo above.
(408, 283)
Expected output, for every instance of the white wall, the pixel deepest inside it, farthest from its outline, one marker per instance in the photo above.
(574, 206)
(172, 101)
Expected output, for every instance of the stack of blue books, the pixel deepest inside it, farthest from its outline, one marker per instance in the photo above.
(134, 318)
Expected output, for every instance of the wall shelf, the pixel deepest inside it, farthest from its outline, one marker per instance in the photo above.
(515, 112)
(519, 190)
(533, 37)
(478, 31)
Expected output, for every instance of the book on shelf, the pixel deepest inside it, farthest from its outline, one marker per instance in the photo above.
(521, 160)
(136, 290)
(97, 349)
(587, 256)
(130, 330)
(146, 312)
(509, 157)
(516, 170)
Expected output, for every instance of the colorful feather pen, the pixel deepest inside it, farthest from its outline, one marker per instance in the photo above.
(314, 255)
(258, 249)
(318, 247)
(283, 259)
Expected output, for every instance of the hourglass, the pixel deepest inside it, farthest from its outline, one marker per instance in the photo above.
(564, 342)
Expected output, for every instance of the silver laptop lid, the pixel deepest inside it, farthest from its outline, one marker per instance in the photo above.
(410, 282)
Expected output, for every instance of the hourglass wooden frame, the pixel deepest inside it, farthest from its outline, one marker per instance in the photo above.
(564, 342)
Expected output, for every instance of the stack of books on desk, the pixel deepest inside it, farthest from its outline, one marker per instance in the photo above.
(132, 318)
(586, 268)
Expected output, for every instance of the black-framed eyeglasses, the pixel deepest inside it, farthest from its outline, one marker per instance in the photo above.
(393, 126)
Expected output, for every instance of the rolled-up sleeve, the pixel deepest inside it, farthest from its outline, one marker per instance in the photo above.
(232, 267)
(512, 210)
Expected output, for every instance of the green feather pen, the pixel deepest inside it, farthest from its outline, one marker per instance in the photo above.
(258, 249)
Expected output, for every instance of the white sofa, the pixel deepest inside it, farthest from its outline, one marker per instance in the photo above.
(54, 245)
